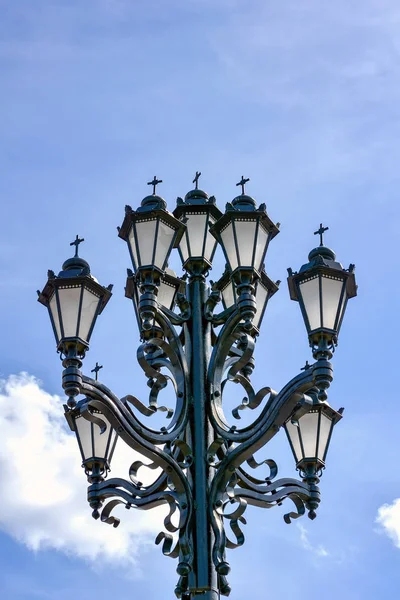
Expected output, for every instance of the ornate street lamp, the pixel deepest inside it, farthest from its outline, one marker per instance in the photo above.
(205, 461)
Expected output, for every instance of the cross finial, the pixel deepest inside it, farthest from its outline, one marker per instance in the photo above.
(243, 182)
(320, 232)
(96, 369)
(306, 366)
(76, 243)
(196, 180)
(154, 183)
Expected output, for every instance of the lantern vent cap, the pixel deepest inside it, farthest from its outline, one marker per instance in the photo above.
(244, 202)
(152, 202)
(196, 197)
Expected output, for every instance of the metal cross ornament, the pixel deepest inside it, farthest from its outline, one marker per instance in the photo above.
(196, 180)
(321, 232)
(154, 183)
(96, 370)
(243, 182)
(76, 243)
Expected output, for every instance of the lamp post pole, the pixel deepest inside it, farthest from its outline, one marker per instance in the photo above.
(206, 463)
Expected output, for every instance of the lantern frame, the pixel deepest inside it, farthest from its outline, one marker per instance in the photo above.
(94, 464)
(75, 274)
(243, 209)
(153, 208)
(317, 460)
(322, 265)
(197, 202)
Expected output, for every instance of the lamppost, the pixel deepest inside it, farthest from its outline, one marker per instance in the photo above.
(206, 462)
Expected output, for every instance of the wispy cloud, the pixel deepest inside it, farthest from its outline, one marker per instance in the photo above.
(43, 488)
(317, 550)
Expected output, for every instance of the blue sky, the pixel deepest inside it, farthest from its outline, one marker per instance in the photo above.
(96, 97)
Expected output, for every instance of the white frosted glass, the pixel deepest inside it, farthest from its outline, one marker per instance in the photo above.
(196, 227)
(146, 233)
(324, 432)
(211, 242)
(342, 308)
(245, 235)
(229, 246)
(228, 296)
(113, 443)
(293, 434)
(262, 240)
(69, 306)
(183, 247)
(90, 303)
(165, 238)
(54, 314)
(132, 244)
(101, 439)
(308, 429)
(309, 290)
(331, 292)
(261, 298)
(166, 295)
(84, 429)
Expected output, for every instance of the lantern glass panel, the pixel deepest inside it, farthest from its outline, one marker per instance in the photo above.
(90, 303)
(331, 294)
(196, 231)
(211, 242)
(293, 434)
(146, 236)
(166, 294)
(69, 307)
(84, 433)
(308, 424)
(228, 242)
(261, 299)
(324, 431)
(54, 314)
(245, 235)
(228, 295)
(261, 243)
(342, 309)
(165, 239)
(101, 441)
(183, 247)
(309, 290)
(132, 244)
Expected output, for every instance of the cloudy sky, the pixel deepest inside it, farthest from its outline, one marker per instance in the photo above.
(97, 96)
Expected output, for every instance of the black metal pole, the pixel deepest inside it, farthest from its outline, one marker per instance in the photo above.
(205, 578)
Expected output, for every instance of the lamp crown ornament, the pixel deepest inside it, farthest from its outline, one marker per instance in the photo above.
(204, 458)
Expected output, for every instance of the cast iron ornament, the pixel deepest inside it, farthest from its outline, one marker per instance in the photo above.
(208, 470)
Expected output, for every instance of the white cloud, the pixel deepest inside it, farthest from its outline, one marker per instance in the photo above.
(389, 518)
(319, 550)
(43, 487)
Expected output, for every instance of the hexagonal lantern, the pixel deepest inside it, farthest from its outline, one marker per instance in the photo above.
(151, 232)
(199, 213)
(322, 288)
(74, 299)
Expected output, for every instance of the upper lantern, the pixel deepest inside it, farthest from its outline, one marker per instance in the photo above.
(244, 232)
(199, 213)
(74, 299)
(322, 288)
(151, 232)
